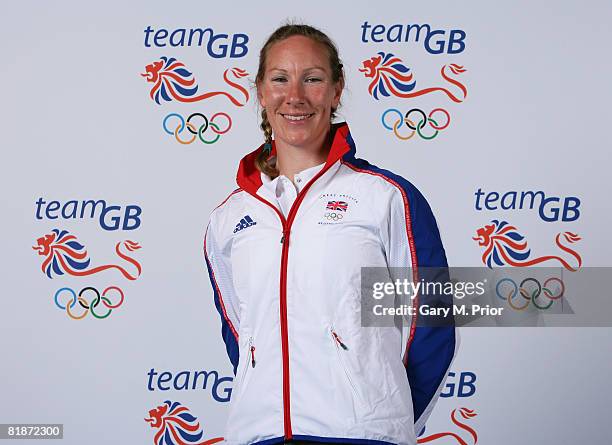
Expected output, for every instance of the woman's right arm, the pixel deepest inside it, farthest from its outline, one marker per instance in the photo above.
(226, 301)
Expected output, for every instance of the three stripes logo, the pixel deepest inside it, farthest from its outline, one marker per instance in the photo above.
(245, 222)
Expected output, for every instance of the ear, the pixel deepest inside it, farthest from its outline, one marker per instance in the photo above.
(338, 88)
(260, 97)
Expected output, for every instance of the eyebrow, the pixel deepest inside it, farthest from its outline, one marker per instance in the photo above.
(312, 68)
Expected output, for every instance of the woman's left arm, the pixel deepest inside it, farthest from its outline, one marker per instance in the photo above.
(412, 239)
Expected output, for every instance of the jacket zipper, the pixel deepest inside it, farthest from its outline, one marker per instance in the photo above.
(286, 224)
(283, 316)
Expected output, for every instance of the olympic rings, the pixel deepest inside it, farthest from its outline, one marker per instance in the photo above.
(333, 216)
(197, 132)
(531, 293)
(86, 305)
(416, 128)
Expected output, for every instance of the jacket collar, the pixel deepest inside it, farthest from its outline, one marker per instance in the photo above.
(249, 177)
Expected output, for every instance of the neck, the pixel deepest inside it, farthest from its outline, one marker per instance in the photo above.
(291, 160)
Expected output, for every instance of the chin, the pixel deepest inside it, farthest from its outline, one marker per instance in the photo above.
(305, 137)
(299, 142)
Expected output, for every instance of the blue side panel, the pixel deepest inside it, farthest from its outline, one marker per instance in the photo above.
(432, 348)
(429, 358)
(231, 342)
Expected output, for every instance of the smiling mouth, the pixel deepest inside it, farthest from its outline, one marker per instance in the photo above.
(297, 117)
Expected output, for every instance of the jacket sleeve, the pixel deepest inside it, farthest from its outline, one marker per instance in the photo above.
(412, 240)
(227, 304)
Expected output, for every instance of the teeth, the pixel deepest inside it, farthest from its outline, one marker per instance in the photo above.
(296, 118)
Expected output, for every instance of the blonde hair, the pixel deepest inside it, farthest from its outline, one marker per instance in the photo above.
(264, 162)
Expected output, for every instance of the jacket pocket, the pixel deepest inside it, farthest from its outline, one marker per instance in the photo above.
(342, 351)
(249, 362)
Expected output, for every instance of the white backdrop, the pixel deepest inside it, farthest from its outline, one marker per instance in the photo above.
(78, 124)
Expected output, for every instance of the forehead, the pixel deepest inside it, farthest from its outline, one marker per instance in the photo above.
(297, 50)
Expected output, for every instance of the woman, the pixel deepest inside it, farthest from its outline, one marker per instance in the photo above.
(284, 253)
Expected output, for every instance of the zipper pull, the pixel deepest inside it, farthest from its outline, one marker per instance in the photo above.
(252, 349)
(284, 236)
(339, 341)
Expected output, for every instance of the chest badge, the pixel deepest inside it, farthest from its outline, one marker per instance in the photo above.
(335, 211)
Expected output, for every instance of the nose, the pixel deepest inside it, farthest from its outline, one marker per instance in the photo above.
(295, 93)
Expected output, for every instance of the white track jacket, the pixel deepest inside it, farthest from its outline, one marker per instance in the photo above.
(288, 292)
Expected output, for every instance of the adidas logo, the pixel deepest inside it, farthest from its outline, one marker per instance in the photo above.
(244, 223)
